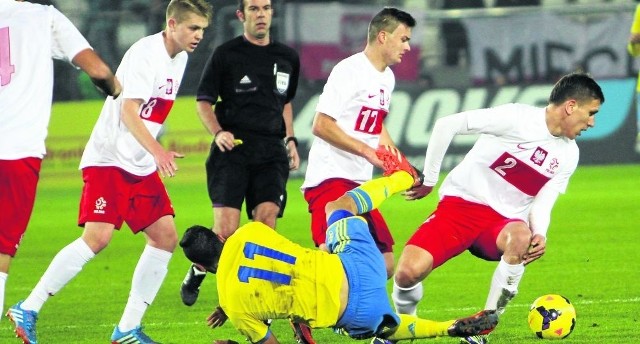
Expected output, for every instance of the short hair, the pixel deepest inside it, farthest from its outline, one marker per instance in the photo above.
(241, 5)
(579, 86)
(202, 246)
(179, 9)
(388, 20)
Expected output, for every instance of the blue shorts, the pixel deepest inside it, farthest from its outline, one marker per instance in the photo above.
(368, 311)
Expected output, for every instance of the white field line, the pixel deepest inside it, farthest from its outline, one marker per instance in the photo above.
(421, 311)
(522, 305)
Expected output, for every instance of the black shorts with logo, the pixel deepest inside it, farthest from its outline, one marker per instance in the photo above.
(255, 171)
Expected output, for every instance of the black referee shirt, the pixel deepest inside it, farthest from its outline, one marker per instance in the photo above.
(250, 85)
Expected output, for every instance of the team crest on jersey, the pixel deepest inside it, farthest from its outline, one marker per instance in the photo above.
(282, 82)
(538, 156)
(101, 203)
(168, 87)
(553, 166)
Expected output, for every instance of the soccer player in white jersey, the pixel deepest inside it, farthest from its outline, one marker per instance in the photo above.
(31, 35)
(121, 168)
(497, 202)
(348, 124)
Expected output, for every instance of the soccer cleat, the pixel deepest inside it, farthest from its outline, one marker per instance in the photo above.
(398, 162)
(25, 323)
(135, 336)
(302, 333)
(378, 340)
(481, 339)
(190, 287)
(480, 323)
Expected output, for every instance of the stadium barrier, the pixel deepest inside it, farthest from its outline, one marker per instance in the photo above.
(410, 121)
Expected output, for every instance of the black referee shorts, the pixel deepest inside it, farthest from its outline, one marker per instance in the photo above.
(255, 171)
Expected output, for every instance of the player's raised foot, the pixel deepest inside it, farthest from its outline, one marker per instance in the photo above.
(302, 333)
(480, 323)
(481, 339)
(190, 287)
(135, 336)
(24, 322)
(393, 161)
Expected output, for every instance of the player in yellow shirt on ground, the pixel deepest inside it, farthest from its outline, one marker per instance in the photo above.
(262, 275)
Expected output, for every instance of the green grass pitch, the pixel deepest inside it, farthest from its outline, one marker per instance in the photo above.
(591, 259)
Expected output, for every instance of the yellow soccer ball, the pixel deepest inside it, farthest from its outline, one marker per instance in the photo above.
(552, 317)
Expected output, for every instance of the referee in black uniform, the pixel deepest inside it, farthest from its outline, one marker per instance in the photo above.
(244, 101)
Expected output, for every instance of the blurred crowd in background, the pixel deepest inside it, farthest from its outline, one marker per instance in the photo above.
(111, 26)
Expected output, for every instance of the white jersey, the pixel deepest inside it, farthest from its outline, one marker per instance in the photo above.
(357, 96)
(31, 36)
(514, 157)
(146, 72)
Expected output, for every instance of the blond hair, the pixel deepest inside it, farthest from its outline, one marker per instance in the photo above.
(179, 9)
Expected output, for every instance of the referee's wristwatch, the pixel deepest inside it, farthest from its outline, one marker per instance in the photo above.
(289, 139)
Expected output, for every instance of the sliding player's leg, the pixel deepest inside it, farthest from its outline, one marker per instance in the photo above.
(367, 196)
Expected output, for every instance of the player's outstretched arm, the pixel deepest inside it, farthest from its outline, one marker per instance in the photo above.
(326, 128)
(537, 248)
(217, 318)
(165, 160)
(100, 74)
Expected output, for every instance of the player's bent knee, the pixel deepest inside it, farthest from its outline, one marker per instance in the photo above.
(166, 241)
(515, 238)
(519, 242)
(406, 276)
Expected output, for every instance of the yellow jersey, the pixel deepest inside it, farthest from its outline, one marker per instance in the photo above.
(634, 48)
(263, 275)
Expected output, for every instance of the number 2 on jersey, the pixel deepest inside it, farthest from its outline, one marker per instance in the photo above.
(6, 68)
(517, 173)
(250, 251)
(502, 169)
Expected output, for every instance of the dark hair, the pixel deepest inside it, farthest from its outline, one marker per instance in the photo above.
(202, 246)
(388, 20)
(579, 86)
(241, 5)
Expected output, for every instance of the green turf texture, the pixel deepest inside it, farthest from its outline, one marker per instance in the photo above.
(591, 259)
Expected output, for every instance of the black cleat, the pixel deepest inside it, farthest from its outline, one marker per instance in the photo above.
(190, 287)
(480, 323)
